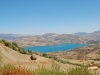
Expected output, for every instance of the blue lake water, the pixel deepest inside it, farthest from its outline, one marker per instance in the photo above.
(61, 47)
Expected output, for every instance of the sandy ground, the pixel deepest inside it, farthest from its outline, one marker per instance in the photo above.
(11, 56)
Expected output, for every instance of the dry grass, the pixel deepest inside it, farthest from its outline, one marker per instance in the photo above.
(12, 70)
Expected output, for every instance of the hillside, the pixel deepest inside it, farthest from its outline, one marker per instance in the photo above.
(13, 57)
(87, 53)
(52, 39)
(18, 59)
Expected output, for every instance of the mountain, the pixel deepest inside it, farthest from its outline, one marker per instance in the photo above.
(81, 33)
(95, 35)
(51, 39)
(11, 36)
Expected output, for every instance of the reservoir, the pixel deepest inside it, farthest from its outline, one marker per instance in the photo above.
(61, 47)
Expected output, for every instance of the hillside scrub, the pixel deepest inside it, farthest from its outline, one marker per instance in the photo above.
(14, 46)
(79, 71)
(9, 69)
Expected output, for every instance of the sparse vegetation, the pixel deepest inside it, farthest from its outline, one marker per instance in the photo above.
(61, 61)
(79, 71)
(0, 57)
(45, 55)
(14, 46)
(10, 69)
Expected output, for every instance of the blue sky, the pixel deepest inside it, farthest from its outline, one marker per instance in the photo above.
(49, 16)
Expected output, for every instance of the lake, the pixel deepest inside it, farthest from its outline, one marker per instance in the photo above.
(61, 47)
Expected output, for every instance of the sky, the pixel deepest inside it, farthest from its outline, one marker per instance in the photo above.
(35, 17)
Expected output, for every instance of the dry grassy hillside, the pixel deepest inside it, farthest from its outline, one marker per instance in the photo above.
(87, 52)
(18, 59)
(13, 57)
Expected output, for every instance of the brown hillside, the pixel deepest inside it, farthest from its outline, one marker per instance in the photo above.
(13, 57)
(88, 52)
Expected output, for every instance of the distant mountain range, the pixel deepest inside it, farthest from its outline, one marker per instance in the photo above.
(53, 38)
(81, 33)
(95, 35)
(11, 36)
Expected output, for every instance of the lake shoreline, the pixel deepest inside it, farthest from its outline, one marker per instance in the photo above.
(55, 48)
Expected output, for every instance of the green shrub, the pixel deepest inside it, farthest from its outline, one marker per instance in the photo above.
(92, 62)
(15, 44)
(30, 52)
(44, 55)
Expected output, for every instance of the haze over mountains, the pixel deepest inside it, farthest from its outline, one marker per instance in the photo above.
(53, 38)
(11, 36)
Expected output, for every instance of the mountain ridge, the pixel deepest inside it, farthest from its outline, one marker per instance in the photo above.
(53, 38)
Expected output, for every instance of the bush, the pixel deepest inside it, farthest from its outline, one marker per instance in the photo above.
(30, 52)
(21, 50)
(15, 44)
(44, 55)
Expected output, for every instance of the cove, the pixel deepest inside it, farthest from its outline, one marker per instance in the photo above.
(61, 47)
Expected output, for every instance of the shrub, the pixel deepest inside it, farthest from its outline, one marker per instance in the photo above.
(92, 62)
(30, 52)
(15, 44)
(45, 55)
